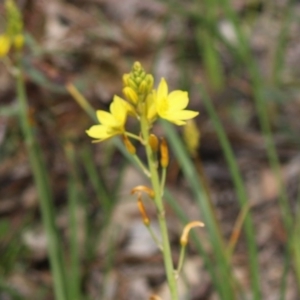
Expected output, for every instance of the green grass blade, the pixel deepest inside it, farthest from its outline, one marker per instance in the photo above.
(74, 195)
(240, 191)
(224, 286)
(44, 192)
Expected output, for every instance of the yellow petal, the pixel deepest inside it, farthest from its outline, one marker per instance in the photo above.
(175, 121)
(178, 100)
(107, 119)
(118, 110)
(162, 90)
(183, 114)
(98, 132)
(151, 108)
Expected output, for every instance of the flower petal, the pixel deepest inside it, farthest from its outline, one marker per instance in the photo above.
(162, 90)
(178, 100)
(151, 108)
(183, 115)
(98, 132)
(107, 119)
(118, 109)
(175, 121)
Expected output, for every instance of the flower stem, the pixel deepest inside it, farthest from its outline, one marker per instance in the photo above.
(167, 255)
(43, 189)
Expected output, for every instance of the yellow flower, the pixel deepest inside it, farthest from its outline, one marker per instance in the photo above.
(4, 44)
(112, 123)
(151, 112)
(172, 106)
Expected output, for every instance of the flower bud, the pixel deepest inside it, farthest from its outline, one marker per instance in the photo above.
(153, 142)
(143, 88)
(131, 95)
(143, 212)
(137, 66)
(126, 79)
(164, 153)
(129, 146)
(138, 80)
(132, 84)
(186, 230)
(150, 80)
(143, 188)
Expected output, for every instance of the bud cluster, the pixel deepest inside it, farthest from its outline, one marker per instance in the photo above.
(137, 84)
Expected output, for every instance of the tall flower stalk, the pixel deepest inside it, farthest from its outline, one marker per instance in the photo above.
(146, 105)
(11, 43)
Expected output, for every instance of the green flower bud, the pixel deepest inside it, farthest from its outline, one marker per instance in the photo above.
(132, 84)
(137, 66)
(143, 88)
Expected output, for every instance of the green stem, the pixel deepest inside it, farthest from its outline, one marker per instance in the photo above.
(43, 189)
(161, 212)
(141, 165)
(154, 237)
(181, 259)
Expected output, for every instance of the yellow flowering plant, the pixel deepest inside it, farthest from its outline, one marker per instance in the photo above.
(13, 36)
(146, 104)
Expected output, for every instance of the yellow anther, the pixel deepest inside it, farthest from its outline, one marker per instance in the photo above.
(186, 230)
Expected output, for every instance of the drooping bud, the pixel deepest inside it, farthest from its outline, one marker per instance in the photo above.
(154, 297)
(186, 230)
(153, 142)
(129, 146)
(142, 188)
(142, 210)
(164, 153)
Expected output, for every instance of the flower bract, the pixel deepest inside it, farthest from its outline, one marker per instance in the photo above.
(172, 106)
